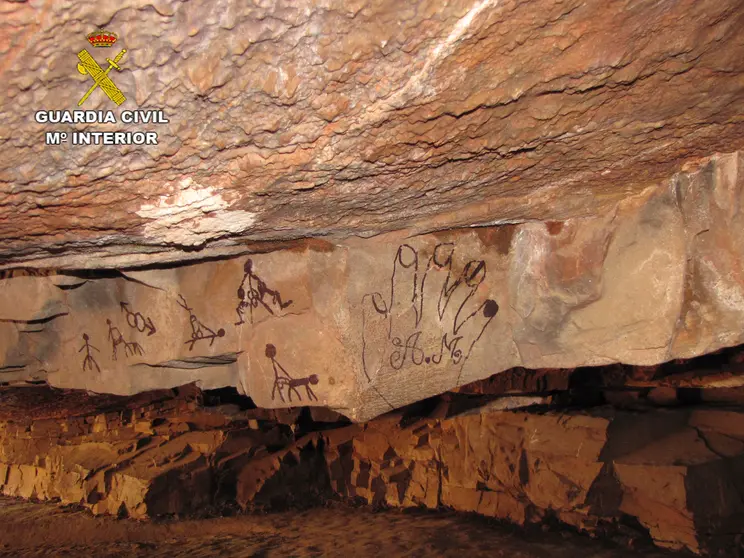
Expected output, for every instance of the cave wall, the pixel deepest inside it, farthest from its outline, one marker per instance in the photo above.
(360, 205)
(368, 325)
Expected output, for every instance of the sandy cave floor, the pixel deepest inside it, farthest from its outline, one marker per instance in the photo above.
(45, 529)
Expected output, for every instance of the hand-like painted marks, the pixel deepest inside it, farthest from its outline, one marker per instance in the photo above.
(432, 319)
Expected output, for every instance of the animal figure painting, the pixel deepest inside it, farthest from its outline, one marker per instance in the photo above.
(283, 380)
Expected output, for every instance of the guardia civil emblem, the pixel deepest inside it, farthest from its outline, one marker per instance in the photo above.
(88, 66)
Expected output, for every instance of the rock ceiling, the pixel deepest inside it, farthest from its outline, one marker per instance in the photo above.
(337, 118)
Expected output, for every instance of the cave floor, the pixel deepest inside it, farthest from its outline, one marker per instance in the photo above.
(46, 529)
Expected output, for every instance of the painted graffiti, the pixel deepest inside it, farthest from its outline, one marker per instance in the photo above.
(430, 316)
(199, 331)
(282, 380)
(253, 293)
(117, 338)
(137, 321)
(89, 361)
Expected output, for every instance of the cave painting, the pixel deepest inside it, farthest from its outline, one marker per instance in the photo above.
(137, 321)
(199, 332)
(430, 318)
(117, 338)
(282, 379)
(88, 361)
(253, 292)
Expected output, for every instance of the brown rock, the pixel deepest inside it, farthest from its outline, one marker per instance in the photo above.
(565, 110)
(368, 326)
(675, 471)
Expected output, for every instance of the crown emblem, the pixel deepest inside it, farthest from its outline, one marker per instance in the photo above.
(101, 38)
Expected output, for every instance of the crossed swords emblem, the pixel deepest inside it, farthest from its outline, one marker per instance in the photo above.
(88, 65)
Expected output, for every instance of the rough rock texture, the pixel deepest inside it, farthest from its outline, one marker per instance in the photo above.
(366, 326)
(673, 473)
(293, 119)
(361, 205)
(124, 456)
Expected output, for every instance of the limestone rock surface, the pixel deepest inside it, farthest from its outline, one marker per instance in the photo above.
(379, 202)
(337, 118)
(365, 326)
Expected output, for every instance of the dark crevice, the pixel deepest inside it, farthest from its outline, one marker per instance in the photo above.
(36, 321)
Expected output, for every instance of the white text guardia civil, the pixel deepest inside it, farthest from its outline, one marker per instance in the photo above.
(100, 117)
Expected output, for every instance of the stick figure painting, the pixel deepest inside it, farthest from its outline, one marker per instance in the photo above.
(199, 331)
(282, 380)
(254, 292)
(89, 361)
(117, 338)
